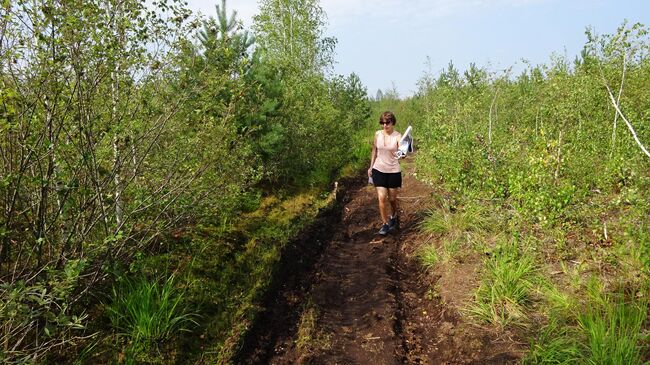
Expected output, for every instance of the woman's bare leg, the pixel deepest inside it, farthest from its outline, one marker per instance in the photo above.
(382, 196)
(392, 197)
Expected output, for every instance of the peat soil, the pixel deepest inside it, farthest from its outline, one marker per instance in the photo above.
(361, 298)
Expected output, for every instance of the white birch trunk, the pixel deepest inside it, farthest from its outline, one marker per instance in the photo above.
(119, 213)
(627, 122)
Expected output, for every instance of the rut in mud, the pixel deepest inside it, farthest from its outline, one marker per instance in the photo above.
(349, 296)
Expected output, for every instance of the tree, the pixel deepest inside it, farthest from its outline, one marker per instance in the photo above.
(379, 95)
(351, 98)
(78, 132)
(223, 39)
(291, 33)
(449, 77)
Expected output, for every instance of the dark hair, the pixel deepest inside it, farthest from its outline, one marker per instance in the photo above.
(388, 117)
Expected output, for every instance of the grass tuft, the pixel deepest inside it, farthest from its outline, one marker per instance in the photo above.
(506, 286)
(428, 255)
(455, 224)
(611, 327)
(457, 230)
(555, 345)
(603, 328)
(147, 312)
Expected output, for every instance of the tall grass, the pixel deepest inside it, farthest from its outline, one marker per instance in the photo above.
(611, 327)
(612, 333)
(428, 255)
(457, 223)
(148, 311)
(456, 230)
(506, 286)
(602, 328)
(556, 344)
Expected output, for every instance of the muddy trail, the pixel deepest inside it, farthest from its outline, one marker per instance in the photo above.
(349, 296)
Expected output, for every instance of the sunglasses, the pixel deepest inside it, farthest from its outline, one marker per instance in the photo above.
(384, 123)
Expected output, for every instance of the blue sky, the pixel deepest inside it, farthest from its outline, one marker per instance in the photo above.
(387, 42)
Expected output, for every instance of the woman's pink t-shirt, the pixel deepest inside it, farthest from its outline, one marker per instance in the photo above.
(386, 147)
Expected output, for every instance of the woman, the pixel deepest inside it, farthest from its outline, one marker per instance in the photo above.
(385, 171)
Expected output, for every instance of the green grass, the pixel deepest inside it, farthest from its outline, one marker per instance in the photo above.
(309, 337)
(602, 328)
(506, 286)
(147, 312)
(611, 327)
(428, 255)
(555, 345)
(456, 230)
(455, 224)
(230, 274)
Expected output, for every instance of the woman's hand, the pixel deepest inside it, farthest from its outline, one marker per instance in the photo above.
(370, 172)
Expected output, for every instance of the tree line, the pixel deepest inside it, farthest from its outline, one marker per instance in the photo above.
(122, 122)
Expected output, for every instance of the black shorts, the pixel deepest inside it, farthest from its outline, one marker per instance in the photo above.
(389, 180)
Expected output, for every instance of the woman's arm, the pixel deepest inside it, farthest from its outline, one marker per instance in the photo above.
(373, 154)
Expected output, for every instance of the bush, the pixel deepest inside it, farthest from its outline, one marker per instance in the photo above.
(36, 317)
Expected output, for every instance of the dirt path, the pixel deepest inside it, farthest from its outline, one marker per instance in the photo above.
(363, 298)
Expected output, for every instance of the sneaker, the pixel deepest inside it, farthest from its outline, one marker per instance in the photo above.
(393, 224)
(384, 229)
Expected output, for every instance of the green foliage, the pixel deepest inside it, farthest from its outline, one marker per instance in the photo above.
(551, 161)
(546, 149)
(601, 328)
(555, 345)
(221, 39)
(124, 125)
(148, 312)
(42, 310)
(39, 310)
(312, 137)
(533, 140)
(81, 122)
(291, 34)
(506, 287)
(642, 236)
(428, 255)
